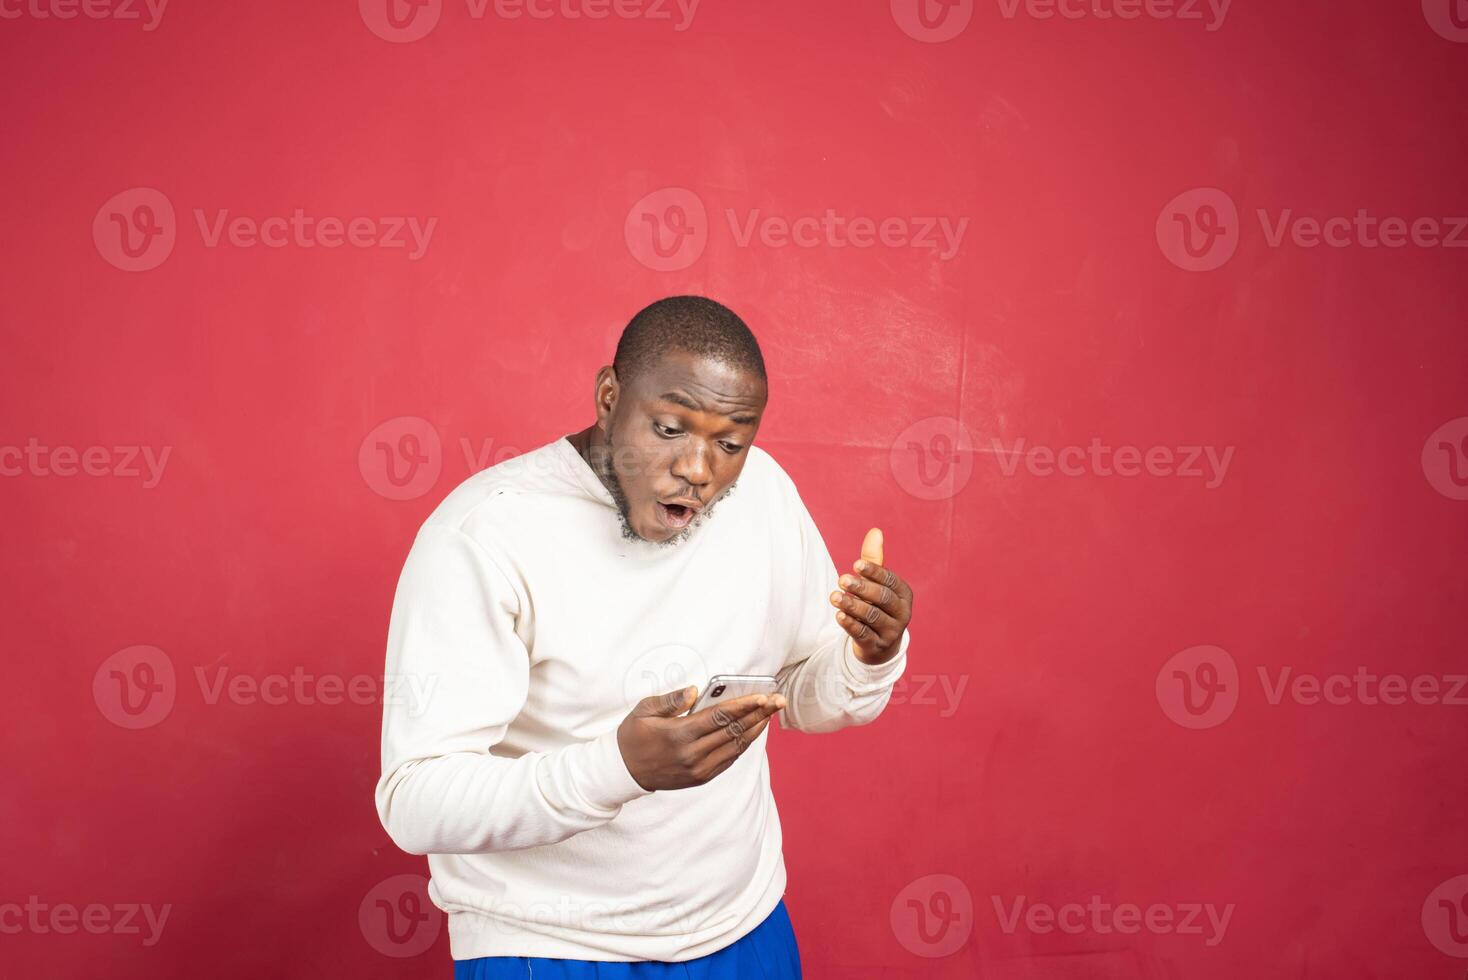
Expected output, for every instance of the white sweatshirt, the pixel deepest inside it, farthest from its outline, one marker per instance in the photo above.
(534, 627)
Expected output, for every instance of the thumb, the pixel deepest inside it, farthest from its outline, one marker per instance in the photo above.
(668, 705)
(871, 546)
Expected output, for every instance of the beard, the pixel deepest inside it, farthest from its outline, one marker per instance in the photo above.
(601, 463)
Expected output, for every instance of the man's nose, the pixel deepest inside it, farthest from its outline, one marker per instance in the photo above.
(692, 465)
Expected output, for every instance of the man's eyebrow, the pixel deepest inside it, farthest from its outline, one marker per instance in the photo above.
(743, 418)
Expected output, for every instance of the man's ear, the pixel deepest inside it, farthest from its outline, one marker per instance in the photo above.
(608, 390)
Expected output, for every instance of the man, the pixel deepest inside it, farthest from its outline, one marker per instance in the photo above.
(547, 594)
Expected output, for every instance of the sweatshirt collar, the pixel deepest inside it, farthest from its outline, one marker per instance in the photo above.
(583, 474)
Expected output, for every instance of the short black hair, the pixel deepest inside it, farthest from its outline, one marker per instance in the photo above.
(694, 324)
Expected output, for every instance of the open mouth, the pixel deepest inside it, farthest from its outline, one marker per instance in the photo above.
(674, 516)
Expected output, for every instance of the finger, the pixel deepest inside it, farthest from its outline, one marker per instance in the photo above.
(667, 705)
(864, 621)
(872, 592)
(884, 576)
(737, 727)
(864, 636)
(723, 756)
(876, 593)
(716, 716)
(871, 546)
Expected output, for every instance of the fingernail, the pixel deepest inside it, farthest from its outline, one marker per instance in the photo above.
(862, 566)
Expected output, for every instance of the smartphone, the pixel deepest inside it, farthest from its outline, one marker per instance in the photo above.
(727, 687)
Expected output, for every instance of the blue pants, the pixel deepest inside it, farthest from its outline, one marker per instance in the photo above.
(767, 953)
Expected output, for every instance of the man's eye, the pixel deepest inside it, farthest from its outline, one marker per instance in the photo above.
(731, 448)
(666, 431)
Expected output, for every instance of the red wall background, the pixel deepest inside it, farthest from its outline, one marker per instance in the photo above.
(1067, 762)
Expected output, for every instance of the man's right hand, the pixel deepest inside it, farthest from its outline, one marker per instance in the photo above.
(664, 751)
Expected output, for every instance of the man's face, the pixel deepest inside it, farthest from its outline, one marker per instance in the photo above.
(678, 436)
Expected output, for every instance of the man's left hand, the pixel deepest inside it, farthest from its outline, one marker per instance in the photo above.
(875, 606)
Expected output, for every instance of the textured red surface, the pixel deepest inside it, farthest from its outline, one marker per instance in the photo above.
(1043, 751)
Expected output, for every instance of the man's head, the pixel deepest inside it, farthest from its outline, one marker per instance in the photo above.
(676, 413)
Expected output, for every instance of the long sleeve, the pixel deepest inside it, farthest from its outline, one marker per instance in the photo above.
(452, 641)
(826, 685)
